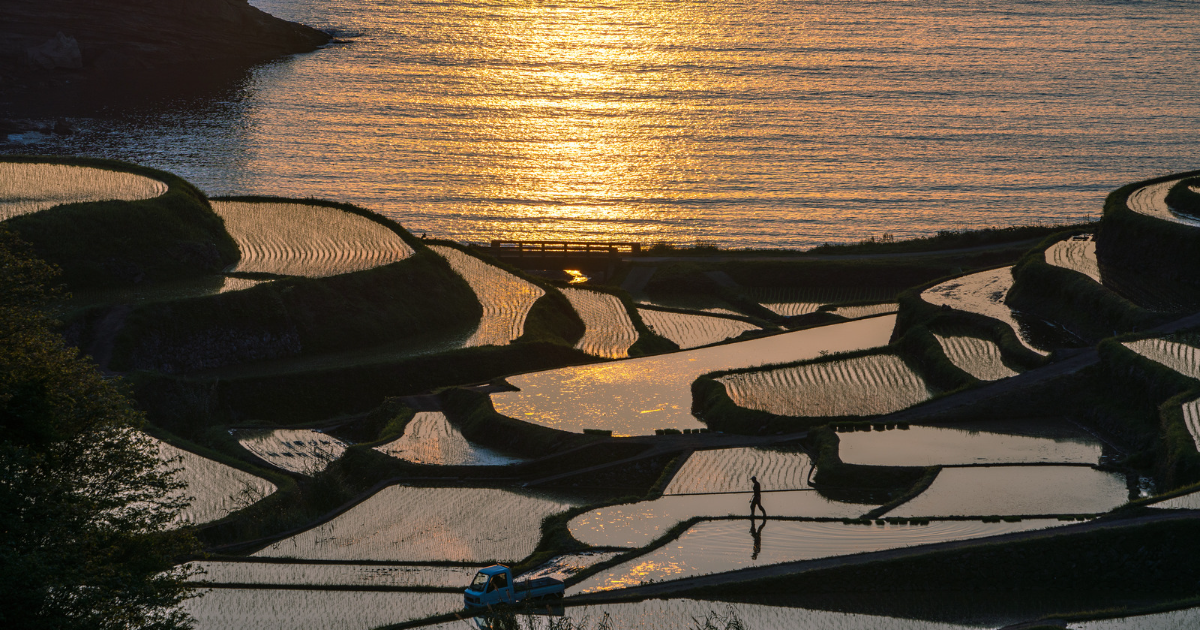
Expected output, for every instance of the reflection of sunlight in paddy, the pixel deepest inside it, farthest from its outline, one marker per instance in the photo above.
(1015, 490)
(930, 446)
(637, 396)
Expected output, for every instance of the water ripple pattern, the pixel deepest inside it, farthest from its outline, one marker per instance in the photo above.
(719, 546)
(1151, 201)
(730, 469)
(298, 239)
(1017, 490)
(789, 302)
(935, 446)
(290, 609)
(291, 573)
(429, 438)
(216, 490)
(866, 310)
(981, 293)
(1191, 417)
(1077, 253)
(27, 188)
(403, 523)
(637, 396)
(692, 331)
(1181, 357)
(610, 332)
(506, 299)
(301, 451)
(978, 357)
(1189, 501)
(862, 386)
(1185, 619)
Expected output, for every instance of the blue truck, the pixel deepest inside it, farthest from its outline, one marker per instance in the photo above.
(494, 585)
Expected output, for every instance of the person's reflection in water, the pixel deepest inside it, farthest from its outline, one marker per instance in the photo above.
(757, 535)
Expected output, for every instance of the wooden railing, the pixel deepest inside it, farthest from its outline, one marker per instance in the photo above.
(543, 249)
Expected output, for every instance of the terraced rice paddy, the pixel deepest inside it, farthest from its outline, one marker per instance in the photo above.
(1152, 201)
(981, 293)
(719, 546)
(789, 302)
(701, 303)
(865, 310)
(291, 573)
(301, 451)
(693, 331)
(862, 386)
(566, 565)
(638, 524)
(1077, 254)
(28, 188)
(298, 239)
(1017, 490)
(610, 331)
(506, 299)
(429, 438)
(932, 446)
(637, 396)
(1185, 619)
(287, 609)
(408, 524)
(1180, 357)
(681, 614)
(1191, 418)
(1181, 502)
(217, 490)
(729, 470)
(978, 357)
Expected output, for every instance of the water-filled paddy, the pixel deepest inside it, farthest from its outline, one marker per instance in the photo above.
(789, 302)
(730, 469)
(1182, 502)
(1017, 490)
(718, 546)
(298, 239)
(1077, 254)
(1181, 357)
(637, 524)
(1185, 619)
(287, 609)
(865, 310)
(981, 293)
(302, 451)
(978, 357)
(1191, 417)
(861, 386)
(701, 303)
(408, 524)
(216, 489)
(506, 299)
(637, 396)
(158, 292)
(27, 188)
(566, 565)
(609, 331)
(429, 438)
(692, 331)
(291, 573)
(931, 446)
(1152, 201)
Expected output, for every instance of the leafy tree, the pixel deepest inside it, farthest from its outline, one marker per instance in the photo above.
(85, 504)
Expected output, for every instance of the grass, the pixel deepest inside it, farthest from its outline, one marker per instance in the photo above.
(952, 239)
(107, 244)
(1182, 197)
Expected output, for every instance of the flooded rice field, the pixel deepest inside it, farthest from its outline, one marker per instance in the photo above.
(932, 446)
(610, 331)
(729, 470)
(299, 239)
(1077, 253)
(1181, 357)
(638, 524)
(160, 292)
(1191, 418)
(28, 188)
(978, 357)
(303, 451)
(216, 490)
(982, 293)
(701, 303)
(692, 331)
(1190, 501)
(429, 438)
(409, 524)
(566, 565)
(288, 609)
(1152, 201)
(789, 302)
(1018, 490)
(637, 396)
(865, 310)
(291, 574)
(506, 299)
(862, 386)
(1185, 619)
(719, 546)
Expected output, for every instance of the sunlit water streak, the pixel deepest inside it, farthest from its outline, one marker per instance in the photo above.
(740, 122)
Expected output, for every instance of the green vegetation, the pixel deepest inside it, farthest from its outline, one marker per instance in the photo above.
(1182, 197)
(124, 243)
(952, 239)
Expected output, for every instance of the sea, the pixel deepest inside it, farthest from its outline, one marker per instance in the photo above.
(737, 123)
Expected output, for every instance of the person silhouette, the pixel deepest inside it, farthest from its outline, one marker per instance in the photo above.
(756, 500)
(756, 534)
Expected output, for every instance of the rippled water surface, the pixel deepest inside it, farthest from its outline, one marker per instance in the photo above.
(740, 122)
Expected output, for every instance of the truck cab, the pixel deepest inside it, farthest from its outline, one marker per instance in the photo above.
(494, 585)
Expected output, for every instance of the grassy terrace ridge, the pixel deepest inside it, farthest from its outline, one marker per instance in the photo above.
(1072, 300)
(1182, 198)
(648, 342)
(105, 244)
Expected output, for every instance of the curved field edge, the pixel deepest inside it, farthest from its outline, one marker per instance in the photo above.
(105, 244)
(648, 342)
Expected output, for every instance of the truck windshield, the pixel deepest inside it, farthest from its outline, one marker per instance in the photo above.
(480, 581)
